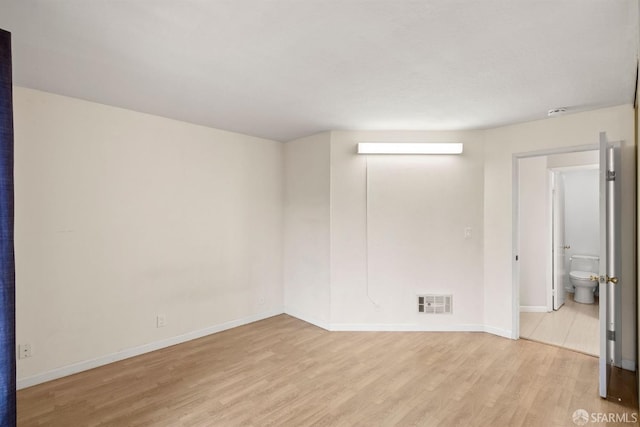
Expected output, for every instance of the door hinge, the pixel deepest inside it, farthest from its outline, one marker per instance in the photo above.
(611, 175)
(611, 335)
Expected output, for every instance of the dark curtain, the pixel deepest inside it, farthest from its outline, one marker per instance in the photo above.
(7, 264)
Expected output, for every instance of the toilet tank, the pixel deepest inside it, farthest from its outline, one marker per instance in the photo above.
(585, 263)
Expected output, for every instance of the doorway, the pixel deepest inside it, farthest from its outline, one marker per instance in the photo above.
(559, 226)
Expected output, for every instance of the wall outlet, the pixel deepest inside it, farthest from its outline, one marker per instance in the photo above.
(261, 301)
(468, 233)
(24, 351)
(161, 321)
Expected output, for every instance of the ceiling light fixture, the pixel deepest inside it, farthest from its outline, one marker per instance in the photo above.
(409, 148)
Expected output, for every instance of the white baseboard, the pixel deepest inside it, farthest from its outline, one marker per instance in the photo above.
(306, 318)
(504, 333)
(136, 351)
(404, 327)
(415, 327)
(629, 365)
(398, 327)
(533, 309)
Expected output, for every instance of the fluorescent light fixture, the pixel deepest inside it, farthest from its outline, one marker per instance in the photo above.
(409, 148)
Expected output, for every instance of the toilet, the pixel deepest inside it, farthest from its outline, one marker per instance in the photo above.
(581, 270)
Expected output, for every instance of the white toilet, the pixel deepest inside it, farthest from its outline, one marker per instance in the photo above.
(581, 270)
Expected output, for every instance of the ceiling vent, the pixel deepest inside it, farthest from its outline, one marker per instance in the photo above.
(557, 111)
(435, 304)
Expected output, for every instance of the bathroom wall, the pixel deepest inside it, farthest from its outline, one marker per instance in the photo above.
(582, 214)
(581, 204)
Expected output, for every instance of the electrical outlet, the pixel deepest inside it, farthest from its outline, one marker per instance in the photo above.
(261, 301)
(161, 321)
(468, 232)
(24, 351)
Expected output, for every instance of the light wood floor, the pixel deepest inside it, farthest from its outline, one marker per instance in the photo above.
(284, 372)
(574, 326)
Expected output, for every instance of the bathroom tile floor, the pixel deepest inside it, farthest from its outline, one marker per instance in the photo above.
(574, 326)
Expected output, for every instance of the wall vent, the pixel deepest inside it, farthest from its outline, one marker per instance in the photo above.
(435, 304)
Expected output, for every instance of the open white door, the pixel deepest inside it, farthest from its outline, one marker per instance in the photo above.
(559, 245)
(609, 287)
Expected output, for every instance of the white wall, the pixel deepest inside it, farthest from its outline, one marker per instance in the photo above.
(582, 213)
(566, 131)
(306, 241)
(419, 207)
(121, 216)
(569, 160)
(534, 232)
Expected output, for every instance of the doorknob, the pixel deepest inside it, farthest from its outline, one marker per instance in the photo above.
(613, 280)
(566, 247)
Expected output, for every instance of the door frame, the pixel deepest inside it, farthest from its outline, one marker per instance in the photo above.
(552, 177)
(515, 221)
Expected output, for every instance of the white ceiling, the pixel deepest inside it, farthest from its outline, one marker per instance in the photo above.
(282, 69)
